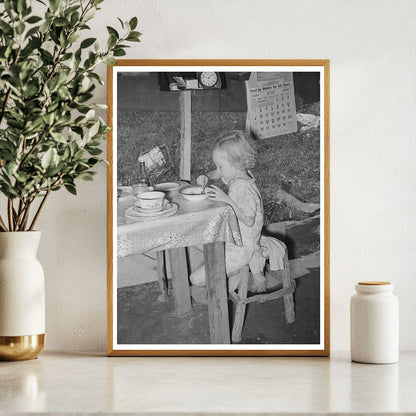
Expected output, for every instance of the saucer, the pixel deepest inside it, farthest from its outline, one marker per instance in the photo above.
(134, 214)
(151, 210)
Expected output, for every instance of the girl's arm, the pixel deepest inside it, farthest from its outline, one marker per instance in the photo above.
(219, 195)
(202, 180)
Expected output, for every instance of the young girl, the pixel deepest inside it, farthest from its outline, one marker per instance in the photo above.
(234, 154)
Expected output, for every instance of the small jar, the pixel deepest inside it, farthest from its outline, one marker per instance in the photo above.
(374, 323)
(139, 188)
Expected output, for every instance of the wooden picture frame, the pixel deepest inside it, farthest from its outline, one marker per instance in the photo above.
(140, 109)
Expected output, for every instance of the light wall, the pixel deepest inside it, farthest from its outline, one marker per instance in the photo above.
(371, 45)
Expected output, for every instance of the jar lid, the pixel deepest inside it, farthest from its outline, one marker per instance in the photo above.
(374, 283)
(373, 287)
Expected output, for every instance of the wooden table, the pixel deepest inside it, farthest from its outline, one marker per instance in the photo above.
(207, 223)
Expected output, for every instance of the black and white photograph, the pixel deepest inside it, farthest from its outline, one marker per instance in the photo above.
(218, 215)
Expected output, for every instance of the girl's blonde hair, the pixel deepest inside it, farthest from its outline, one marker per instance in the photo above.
(240, 148)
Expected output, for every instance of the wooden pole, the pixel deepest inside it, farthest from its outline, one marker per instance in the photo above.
(185, 145)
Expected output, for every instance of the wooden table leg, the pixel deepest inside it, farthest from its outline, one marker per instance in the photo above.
(219, 325)
(162, 276)
(180, 282)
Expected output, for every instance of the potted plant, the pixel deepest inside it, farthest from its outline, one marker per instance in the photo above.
(50, 136)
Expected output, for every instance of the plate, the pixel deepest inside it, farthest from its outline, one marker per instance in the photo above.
(134, 214)
(167, 186)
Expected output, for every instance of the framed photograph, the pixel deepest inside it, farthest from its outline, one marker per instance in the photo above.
(218, 208)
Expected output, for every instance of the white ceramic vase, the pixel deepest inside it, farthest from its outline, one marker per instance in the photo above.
(22, 296)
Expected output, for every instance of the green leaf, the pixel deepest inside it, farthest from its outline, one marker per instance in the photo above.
(82, 98)
(73, 38)
(133, 37)
(54, 4)
(32, 31)
(133, 23)
(10, 7)
(53, 83)
(135, 34)
(21, 5)
(47, 158)
(31, 90)
(20, 28)
(92, 161)
(5, 28)
(87, 42)
(33, 19)
(34, 125)
(63, 41)
(90, 115)
(48, 118)
(11, 168)
(21, 177)
(67, 56)
(110, 60)
(119, 52)
(74, 18)
(67, 153)
(60, 138)
(121, 22)
(70, 188)
(94, 151)
(112, 41)
(88, 16)
(86, 176)
(111, 30)
(94, 129)
(52, 171)
(61, 21)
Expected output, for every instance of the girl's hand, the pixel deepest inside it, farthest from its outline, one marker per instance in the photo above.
(202, 180)
(218, 194)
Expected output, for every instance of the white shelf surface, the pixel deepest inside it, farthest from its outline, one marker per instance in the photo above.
(87, 383)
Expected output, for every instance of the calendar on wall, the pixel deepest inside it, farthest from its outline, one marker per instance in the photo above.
(271, 108)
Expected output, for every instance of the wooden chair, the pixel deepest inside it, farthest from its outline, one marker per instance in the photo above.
(241, 298)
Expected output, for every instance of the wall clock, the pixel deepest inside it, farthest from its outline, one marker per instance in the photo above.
(209, 79)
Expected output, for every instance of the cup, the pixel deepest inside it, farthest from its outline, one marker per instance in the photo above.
(151, 200)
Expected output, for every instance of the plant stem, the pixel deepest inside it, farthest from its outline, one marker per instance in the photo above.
(21, 212)
(2, 225)
(17, 217)
(39, 209)
(10, 213)
(26, 216)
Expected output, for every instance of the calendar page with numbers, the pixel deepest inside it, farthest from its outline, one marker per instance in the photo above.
(271, 108)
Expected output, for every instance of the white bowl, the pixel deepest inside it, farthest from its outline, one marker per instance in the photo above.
(151, 200)
(167, 186)
(193, 193)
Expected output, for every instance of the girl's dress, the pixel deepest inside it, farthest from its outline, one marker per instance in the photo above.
(246, 195)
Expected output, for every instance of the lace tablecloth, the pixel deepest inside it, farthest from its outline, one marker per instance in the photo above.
(193, 224)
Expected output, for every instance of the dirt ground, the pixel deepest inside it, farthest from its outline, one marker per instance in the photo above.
(143, 319)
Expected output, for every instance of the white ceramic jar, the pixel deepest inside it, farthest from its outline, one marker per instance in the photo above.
(374, 323)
